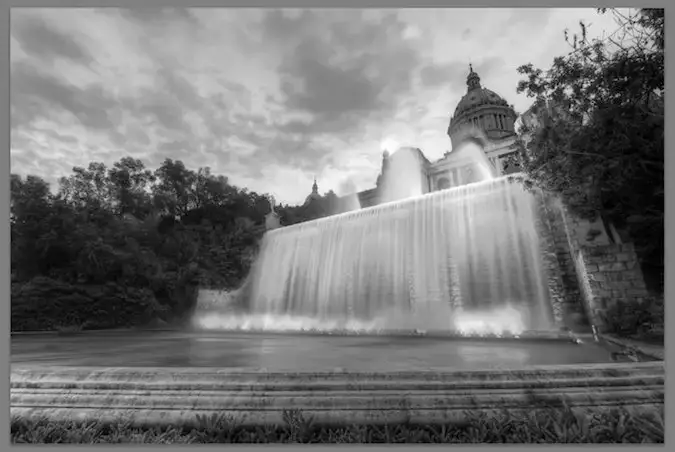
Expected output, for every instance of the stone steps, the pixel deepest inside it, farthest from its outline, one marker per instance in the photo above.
(176, 396)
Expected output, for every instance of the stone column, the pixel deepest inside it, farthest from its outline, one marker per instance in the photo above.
(550, 256)
(559, 244)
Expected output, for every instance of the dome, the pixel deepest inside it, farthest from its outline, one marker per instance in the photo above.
(479, 97)
(314, 195)
(483, 111)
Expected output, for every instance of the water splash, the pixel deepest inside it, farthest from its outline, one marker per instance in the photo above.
(404, 176)
(464, 260)
(349, 198)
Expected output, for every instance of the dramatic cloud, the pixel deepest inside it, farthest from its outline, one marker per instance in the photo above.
(270, 98)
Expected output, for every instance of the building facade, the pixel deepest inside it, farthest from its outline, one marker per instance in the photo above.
(482, 117)
(589, 269)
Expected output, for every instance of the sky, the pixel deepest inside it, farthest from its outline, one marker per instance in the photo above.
(270, 98)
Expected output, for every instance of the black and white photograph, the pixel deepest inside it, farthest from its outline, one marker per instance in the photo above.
(336, 225)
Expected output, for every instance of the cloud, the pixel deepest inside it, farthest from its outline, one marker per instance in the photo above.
(354, 73)
(441, 74)
(40, 40)
(269, 98)
(36, 94)
(159, 16)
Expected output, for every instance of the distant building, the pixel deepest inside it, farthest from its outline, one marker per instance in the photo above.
(314, 195)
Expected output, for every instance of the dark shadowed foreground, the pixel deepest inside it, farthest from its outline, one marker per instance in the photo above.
(538, 426)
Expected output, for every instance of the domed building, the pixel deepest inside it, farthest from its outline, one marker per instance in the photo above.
(482, 110)
(314, 195)
(482, 117)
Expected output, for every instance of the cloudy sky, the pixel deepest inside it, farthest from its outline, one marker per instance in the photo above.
(270, 98)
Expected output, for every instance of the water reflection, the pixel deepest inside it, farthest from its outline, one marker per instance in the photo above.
(298, 353)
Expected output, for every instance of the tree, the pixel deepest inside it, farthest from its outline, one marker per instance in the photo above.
(173, 192)
(130, 184)
(88, 187)
(30, 218)
(596, 137)
(96, 253)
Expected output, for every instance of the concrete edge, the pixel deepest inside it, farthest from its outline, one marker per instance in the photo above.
(655, 352)
(323, 413)
(86, 332)
(538, 336)
(347, 406)
(248, 371)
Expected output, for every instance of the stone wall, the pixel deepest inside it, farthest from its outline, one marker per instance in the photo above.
(587, 271)
(564, 290)
(613, 276)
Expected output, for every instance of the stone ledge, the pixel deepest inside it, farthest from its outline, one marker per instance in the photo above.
(175, 397)
(652, 351)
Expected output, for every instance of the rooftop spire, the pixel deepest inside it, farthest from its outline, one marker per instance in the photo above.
(315, 187)
(472, 80)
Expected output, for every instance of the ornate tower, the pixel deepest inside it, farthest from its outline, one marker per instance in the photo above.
(481, 112)
(314, 195)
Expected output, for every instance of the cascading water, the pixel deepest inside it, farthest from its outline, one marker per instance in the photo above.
(464, 260)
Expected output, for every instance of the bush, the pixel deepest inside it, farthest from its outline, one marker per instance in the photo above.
(548, 425)
(46, 304)
(635, 320)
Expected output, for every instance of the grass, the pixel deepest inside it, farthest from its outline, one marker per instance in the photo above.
(548, 425)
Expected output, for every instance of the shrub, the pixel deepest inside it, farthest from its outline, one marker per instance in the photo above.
(48, 304)
(631, 319)
(546, 425)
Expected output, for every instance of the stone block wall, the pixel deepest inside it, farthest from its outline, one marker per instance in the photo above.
(564, 290)
(613, 276)
(587, 271)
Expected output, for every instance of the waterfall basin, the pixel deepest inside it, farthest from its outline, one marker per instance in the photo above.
(305, 351)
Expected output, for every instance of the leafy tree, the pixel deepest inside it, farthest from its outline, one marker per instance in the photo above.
(30, 218)
(595, 135)
(88, 187)
(121, 245)
(173, 193)
(130, 186)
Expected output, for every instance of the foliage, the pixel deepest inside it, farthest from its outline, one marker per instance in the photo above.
(595, 135)
(547, 425)
(323, 206)
(636, 320)
(47, 304)
(123, 245)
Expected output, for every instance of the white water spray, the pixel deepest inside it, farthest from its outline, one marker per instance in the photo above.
(464, 260)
